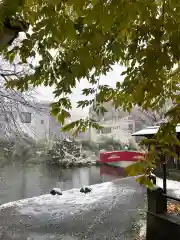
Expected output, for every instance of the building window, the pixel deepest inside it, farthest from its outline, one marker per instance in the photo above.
(130, 117)
(42, 121)
(106, 130)
(25, 117)
(131, 127)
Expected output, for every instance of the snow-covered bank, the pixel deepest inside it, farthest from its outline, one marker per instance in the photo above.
(74, 214)
(73, 196)
(98, 191)
(108, 210)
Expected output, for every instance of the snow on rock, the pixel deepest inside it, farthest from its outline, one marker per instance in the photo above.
(56, 191)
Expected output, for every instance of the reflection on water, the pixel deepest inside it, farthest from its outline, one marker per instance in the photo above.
(19, 181)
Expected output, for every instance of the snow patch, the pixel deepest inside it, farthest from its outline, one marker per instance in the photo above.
(172, 186)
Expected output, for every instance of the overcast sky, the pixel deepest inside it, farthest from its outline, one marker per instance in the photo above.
(46, 93)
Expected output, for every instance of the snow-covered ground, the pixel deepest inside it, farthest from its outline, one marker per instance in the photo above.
(108, 210)
(75, 197)
(173, 187)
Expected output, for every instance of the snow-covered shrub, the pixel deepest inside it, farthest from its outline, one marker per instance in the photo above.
(63, 152)
(19, 147)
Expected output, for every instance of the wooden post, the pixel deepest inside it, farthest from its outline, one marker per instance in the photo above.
(178, 161)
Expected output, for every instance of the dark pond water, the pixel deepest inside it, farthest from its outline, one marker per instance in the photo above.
(19, 181)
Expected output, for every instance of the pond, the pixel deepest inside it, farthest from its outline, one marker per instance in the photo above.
(19, 181)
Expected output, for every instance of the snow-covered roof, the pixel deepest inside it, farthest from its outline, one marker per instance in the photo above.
(151, 131)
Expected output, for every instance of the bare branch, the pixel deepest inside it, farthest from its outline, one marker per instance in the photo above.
(13, 101)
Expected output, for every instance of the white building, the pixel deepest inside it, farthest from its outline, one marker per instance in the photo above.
(117, 130)
(33, 119)
(119, 124)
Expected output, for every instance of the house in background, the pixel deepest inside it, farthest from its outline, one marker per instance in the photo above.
(119, 124)
(33, 120)
(55, 130)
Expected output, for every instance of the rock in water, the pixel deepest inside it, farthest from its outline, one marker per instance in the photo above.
(85, 190)
(56, 191)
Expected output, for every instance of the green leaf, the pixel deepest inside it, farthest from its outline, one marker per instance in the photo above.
(136, 168)
(69, 126)
(88, 91)
(70, 30)
(63, 115)
(84, 103)
(12, 57)
(144, 180)
(55, 111)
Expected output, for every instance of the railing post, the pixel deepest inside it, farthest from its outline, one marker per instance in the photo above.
(164, 178)
(157, 202)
